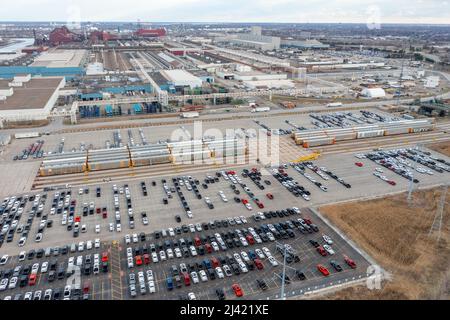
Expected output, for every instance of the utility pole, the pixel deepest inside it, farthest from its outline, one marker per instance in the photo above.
(284, 274)
(438, 217)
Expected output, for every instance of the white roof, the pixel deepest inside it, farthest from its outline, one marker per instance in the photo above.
(179, 75)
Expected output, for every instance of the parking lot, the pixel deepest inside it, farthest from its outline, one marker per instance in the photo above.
(114, 282)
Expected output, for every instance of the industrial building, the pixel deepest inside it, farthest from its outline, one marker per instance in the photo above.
(373, 93)
(304, 44)
(29, 98)
(60, 59)
(254, 40)
(181, 78)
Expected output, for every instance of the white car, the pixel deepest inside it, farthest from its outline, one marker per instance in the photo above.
(89, 245)
(154, 257)
(272, 261)
(97, 243)
(12, 283)
(35, 268)
(111, 227)
(151, 287)
(260, 254)
(22, 241)
(118, 227)
(27, 296)
(266, 251)
(4, 284)
(193, 251)
(219, 273)
(44, 267)
(130, 262)
(243, 219)
(81, 246)
(4, 259)
(80, 191)
(245, 256)
(127, 239)
(248, 206)
(38, 237)
(192, 228)
(97, 228)
(150, 276)
(170, 253)
(198, 227)
(22, 255)
(215, 246)
(328, 249)
(192, 296)
(162, 255)
(243, 267)
(194, 277)
(327, 239)
(171, 232)
(135, 238)
(178, 253)
(202, 274)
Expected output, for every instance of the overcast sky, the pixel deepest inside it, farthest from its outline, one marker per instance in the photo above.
(297, 11)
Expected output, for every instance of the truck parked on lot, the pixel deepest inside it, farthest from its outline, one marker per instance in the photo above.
(190, 115)
(261, 109)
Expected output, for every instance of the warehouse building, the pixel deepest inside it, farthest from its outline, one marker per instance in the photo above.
(60, 59)
(181, 78)
(254, 40)
(373, 93)
(32, 99)
(304, 44)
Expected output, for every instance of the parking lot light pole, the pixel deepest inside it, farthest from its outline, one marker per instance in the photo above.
(284, 273)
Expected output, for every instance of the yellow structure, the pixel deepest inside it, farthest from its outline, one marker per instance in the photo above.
(309, 157)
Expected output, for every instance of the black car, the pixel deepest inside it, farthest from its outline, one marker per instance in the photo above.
(220, 294)
(178, 218)
(336, 266)
(300, 275)
(314, 243)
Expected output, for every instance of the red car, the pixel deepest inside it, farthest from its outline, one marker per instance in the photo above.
(231, 172)
(146, 258)
(138, 260)
(105, 257)
(321, 251)
(307, 221)
(237, 290)
(244, 201)
(260, 204)
(391, 182)
(208, 248)
(77, 219)
(215, 262)
(250, 239)
(270, 196)
(98, 210)
(32, 279)
(86, 287)
(259, 264)
(187, 280)
(359, 164)
(323, 270)
(350, 262)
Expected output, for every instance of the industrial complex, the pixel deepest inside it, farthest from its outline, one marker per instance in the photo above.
(163, 161)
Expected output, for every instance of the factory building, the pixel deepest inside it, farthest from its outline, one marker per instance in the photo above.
(269, 84)
(304, 44)
(254, 40)
(63, 35)
(31, 98)
(151, 33)
(181, 78)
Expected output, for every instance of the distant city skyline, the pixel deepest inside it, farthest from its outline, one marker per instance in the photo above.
(375, 12)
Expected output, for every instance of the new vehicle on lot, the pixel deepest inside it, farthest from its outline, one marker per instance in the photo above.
(349, 262)
(237, 290)
(323, 270)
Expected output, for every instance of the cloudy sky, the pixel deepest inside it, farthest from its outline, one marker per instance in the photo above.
(300, 11)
